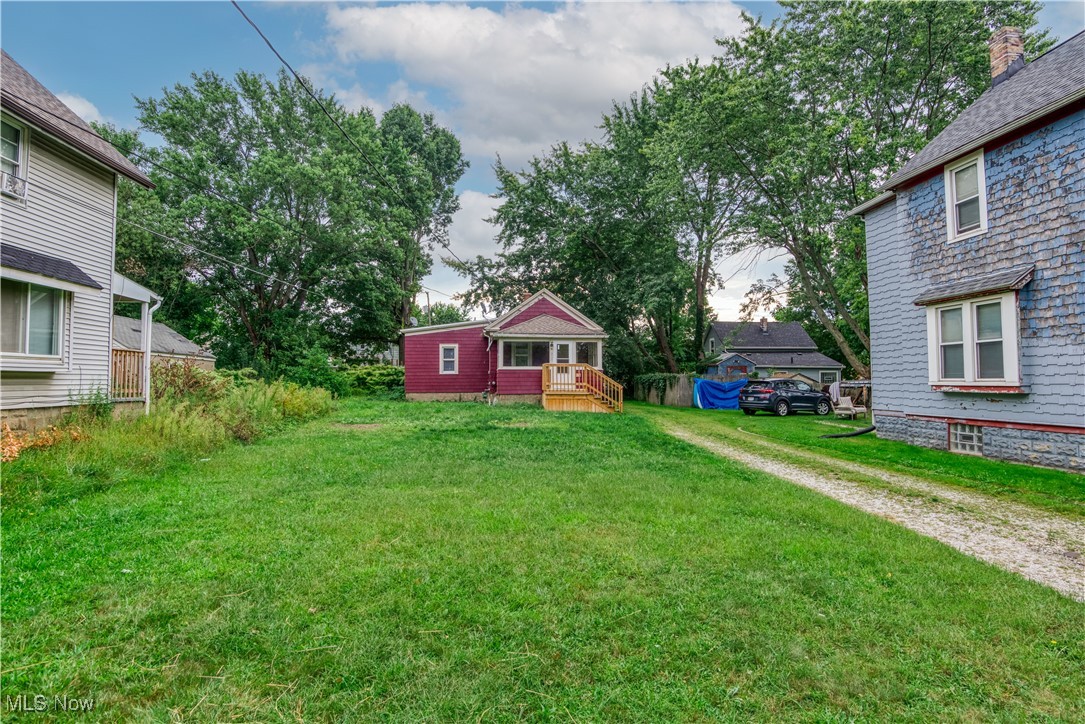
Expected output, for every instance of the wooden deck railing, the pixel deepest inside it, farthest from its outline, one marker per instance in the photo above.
(127, 375)
(582, 379)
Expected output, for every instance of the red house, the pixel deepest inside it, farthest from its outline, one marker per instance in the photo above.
(542, 352)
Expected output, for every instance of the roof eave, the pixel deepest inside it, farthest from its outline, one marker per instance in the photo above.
(899, 180)
(872, 204)
(13, 107)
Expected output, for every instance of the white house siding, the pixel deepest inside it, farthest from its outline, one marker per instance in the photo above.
(1036, 210)
(66, 229)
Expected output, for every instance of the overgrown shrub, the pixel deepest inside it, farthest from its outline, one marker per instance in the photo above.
(369, 379)
(184, 381)
(316, 370)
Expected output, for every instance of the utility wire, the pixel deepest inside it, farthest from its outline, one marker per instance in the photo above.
(199, 250)
(320, 103)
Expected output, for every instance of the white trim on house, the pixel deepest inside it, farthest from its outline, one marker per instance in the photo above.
(950, 176)
(18, 275)
(36, 362)
(23, 163)
(442, 327)
(986, 138)
(1009, 318)
(455, 359)
(495, 326)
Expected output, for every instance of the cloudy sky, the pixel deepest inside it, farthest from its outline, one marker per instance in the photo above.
(508, 79)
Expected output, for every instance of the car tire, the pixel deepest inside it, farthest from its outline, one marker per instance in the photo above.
(782, 408)
(750, 412)
(824, 408)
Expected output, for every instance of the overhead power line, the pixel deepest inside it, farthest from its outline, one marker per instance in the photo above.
(305, 85)
(199, 250)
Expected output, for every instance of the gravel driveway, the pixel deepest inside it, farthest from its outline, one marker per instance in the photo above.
(1044, 547)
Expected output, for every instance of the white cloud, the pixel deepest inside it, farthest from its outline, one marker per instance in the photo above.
(520, 79)
(82, 107)
(470, 234)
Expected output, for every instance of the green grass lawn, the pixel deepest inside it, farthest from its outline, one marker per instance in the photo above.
(461, 562)
(1055, 490)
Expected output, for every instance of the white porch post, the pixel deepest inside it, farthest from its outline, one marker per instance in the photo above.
(145, 337)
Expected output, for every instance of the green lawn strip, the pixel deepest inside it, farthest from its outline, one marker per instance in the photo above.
(449, 561)
(1054, 490)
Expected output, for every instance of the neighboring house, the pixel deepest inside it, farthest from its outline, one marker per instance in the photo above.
(767, 349)
(976, 259)
(166, 344)
(58, 183)
(543, 351)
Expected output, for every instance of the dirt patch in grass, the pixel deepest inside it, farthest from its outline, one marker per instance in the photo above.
(519, 425)
(359, 426)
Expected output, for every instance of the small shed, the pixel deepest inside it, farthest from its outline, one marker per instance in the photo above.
(166, 344)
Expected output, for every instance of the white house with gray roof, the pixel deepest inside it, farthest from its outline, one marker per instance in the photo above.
(58, 183)
(976, 262)
(765, 349)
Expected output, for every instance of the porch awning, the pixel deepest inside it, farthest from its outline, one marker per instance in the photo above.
(1007, 280)
(127, 290)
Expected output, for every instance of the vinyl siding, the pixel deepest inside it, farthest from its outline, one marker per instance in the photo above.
(422, 355)
(1036, 214)
(519, 381)
(69, 230)
(540, 307)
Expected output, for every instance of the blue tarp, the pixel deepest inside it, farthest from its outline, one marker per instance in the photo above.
(709, 395)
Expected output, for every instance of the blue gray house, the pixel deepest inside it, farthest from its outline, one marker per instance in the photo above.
(976, 261)
(765, 349)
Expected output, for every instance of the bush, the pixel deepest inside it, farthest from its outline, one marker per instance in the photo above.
(316, 370)
(185, 381)
(370, 379)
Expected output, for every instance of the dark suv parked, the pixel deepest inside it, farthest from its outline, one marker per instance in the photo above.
(783, 397)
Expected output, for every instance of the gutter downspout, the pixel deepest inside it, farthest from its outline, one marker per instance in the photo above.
(145, 318)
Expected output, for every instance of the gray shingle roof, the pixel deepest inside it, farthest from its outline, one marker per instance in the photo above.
(126, 335)
(738, 336)
(992, 283)
(1054, 79)
(546, 325)
(792, 359)
(14, 257)
(22, 95)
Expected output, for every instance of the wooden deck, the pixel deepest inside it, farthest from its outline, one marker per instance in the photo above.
(579, 388)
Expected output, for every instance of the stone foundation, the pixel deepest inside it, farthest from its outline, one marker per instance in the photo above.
(35, 418)
(1033, 447)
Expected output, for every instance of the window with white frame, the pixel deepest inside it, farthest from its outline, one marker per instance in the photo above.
(587, 353)
(974, 341)
(966, 197)
(712, 345)
(11, 149)
(524, 354)
(966, 438)
(30, 319)
(450, 359)
(827, 378)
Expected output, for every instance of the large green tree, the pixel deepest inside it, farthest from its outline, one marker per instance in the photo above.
(286, 225)
(426, 161)
(819, 107)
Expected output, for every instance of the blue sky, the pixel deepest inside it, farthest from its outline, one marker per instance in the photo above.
(507, 79)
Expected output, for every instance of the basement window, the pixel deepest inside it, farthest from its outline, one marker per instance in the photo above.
(966, 438)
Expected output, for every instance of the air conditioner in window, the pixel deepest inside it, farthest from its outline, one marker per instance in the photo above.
(11, 185)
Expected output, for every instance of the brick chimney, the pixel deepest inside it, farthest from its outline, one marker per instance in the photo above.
(1007, 54)
(764, 325)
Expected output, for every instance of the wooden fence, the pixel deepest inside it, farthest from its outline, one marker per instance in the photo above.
(127, 375)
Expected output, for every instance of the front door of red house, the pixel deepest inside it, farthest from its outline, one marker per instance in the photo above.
(563, 374)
